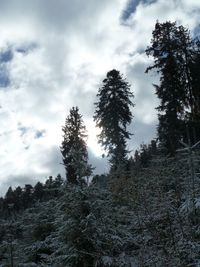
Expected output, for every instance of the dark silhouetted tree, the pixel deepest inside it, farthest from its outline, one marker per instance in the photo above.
(112, 115)
(194, 118)
(74, 149)
(58, 181)
(18, 198)
(27, 196)
(38, 191)
(172, 49)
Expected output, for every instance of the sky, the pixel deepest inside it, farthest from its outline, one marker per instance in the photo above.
(54, 54)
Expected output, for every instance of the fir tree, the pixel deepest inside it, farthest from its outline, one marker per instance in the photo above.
(112, 116)
(196, 82)
(172, 49)
(194, 118)
(73, 149)
(39, 191)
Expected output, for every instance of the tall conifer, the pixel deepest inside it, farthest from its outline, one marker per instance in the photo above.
(172, 49)
(74, 149)
(112, 116)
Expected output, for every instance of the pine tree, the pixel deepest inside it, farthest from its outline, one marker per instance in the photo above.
(194, 118)
(112, 116)
(38, 191)
(73, 148)
(196, 81)
(172, 49)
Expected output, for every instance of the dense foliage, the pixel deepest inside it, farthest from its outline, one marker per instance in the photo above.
(146, 217)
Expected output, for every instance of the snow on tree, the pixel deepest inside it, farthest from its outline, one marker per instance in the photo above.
(74, 149)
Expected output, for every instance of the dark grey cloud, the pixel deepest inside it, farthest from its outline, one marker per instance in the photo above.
(82, 98)
(142, 85)
(53, 161)
(142, 133)
(100, 164)
(26, 48)
(143, 126)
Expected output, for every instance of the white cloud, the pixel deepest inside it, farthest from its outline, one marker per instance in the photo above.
(61, 52)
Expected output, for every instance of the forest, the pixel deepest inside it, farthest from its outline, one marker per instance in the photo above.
(146, 211)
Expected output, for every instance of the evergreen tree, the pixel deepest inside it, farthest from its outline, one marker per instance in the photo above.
(194, 118)
(18, 198)
(112, 116)
(58, 181)
(27, 196)
(172, 49)
(73, 149)
(196, 82)
(39, 191)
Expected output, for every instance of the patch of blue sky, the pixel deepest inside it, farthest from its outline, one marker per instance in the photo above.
(39, 134)
(196, 32)
(23, 130)
(131, 7)
(4, 76)
(6, 55)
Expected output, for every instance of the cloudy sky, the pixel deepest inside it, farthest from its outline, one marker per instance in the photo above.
(54, 55)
